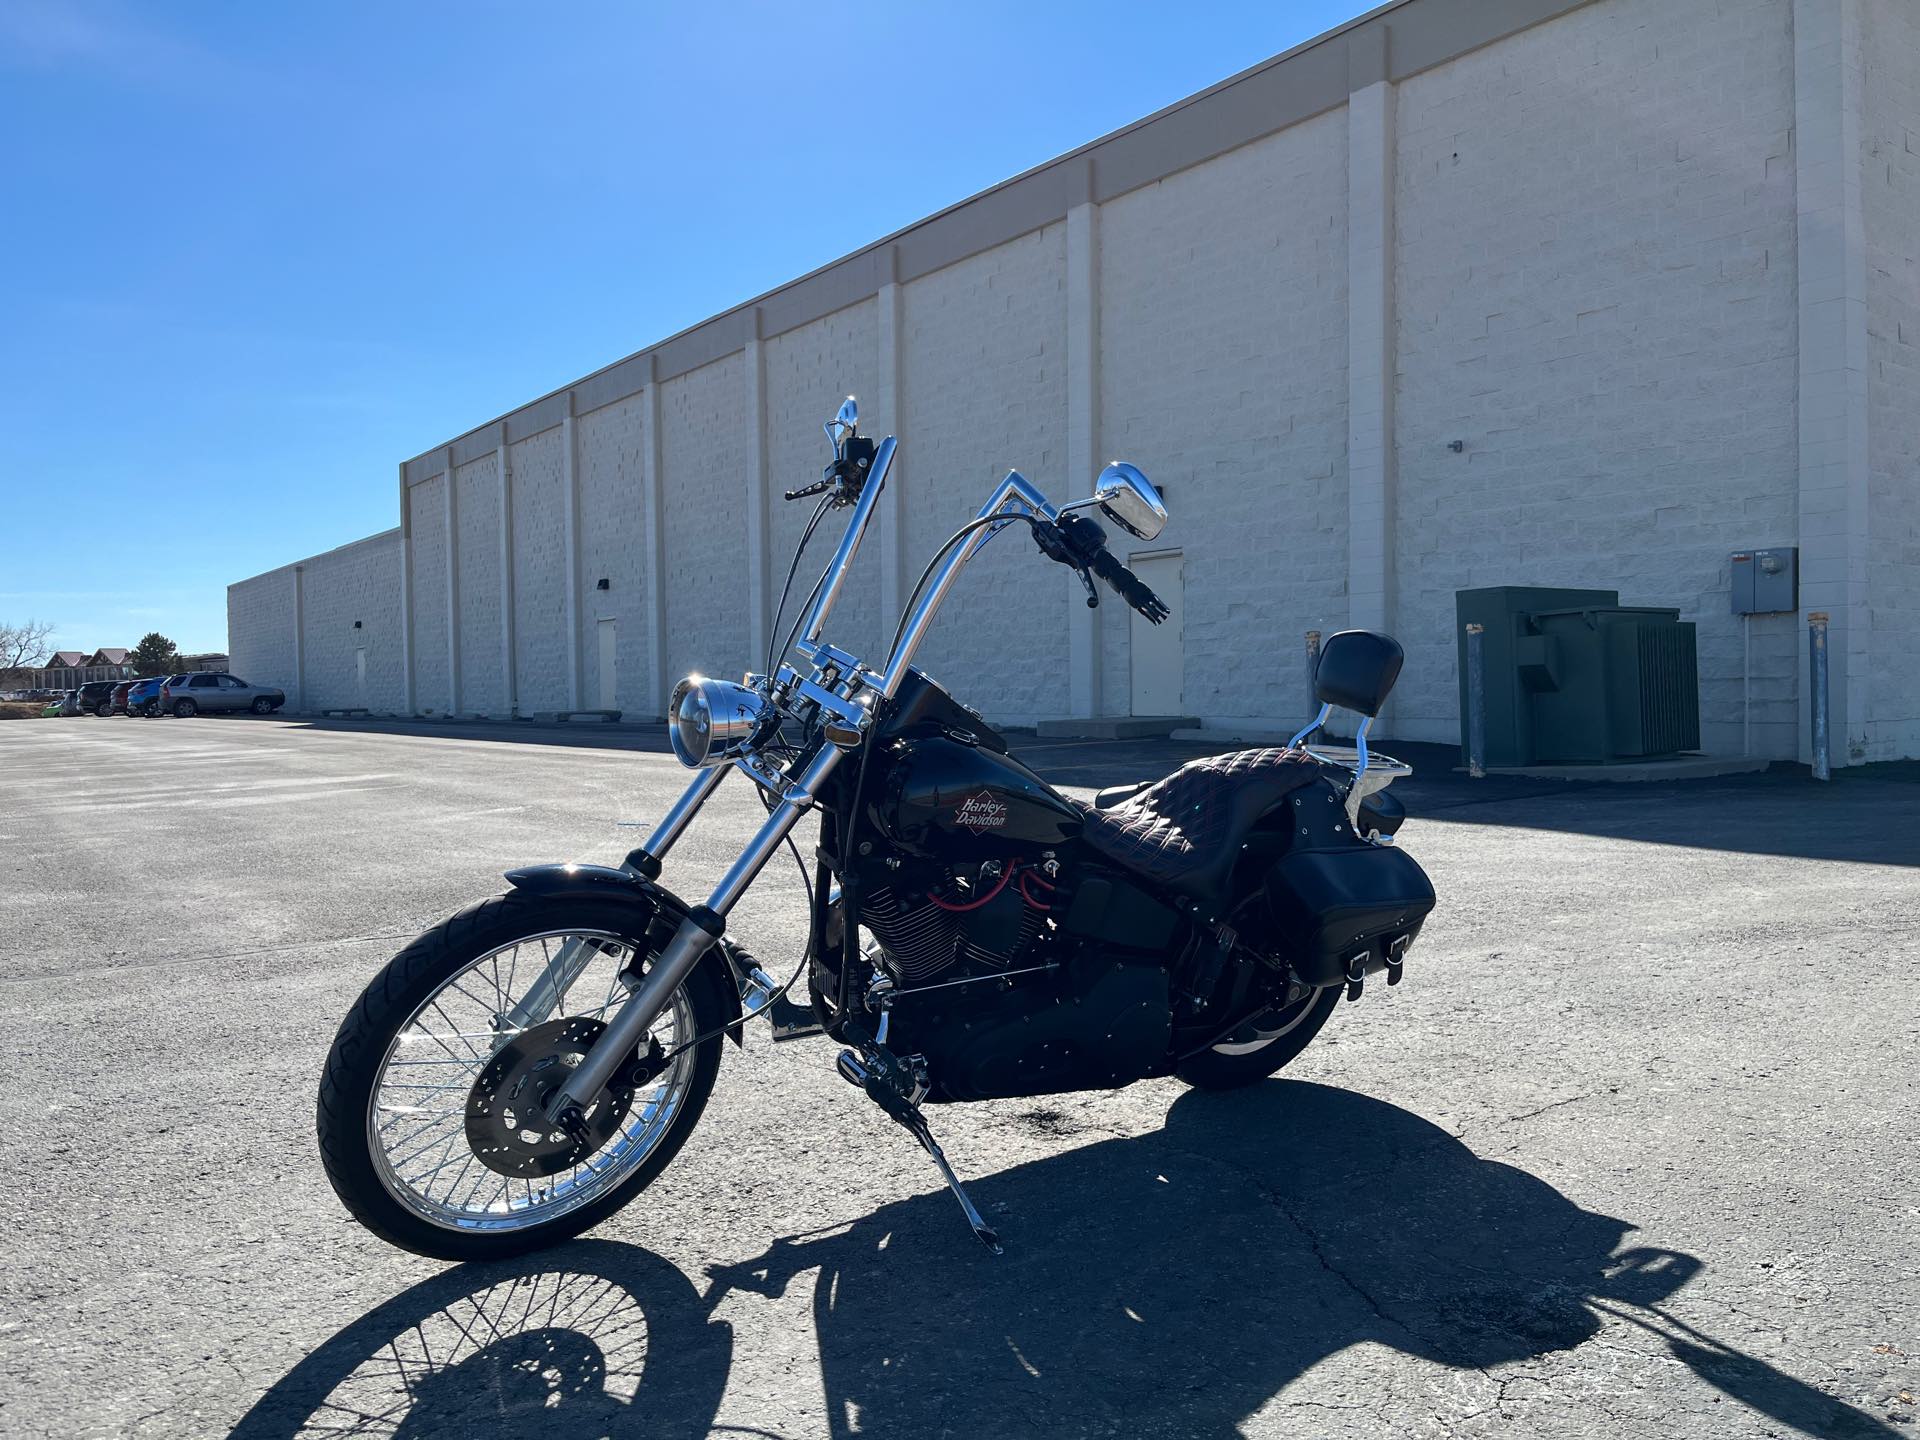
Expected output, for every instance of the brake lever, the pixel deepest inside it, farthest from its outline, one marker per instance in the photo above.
(806, 490)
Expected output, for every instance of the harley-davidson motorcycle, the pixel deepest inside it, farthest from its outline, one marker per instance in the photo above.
(526, 1068)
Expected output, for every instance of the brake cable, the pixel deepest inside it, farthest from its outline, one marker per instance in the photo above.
(787, 589)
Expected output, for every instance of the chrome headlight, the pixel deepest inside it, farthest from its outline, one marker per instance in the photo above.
(712, 720)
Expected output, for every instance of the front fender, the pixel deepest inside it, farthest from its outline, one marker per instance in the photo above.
(648, 897)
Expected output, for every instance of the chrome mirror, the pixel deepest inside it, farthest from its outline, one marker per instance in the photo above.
(844, 425)
(1128, 499)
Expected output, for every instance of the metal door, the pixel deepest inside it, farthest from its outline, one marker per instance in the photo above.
(608, 690)
(1159, 657)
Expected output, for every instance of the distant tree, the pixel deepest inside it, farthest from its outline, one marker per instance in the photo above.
(23, 646)
(154, 655)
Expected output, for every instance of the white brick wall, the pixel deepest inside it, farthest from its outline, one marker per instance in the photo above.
(1890, 195)
(539, 573)
(1222, 366)
(260, 629)
(1594, 287)
(431, 674)
(610, 441)
(809, 371)
(1596, 293)
(703, 457)
(483, 681)
(985, 393)
(358, 582)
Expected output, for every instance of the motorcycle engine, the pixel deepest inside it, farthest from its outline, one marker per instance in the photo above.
(1091, 1018)
(930, 921)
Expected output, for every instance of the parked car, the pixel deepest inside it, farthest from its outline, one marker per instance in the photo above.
(96, 697)
(143, 696)
(52, 709)
(68, 702)
(118, 701)
(159, 705)
(216, 691)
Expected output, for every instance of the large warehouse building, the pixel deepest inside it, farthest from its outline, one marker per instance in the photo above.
(1465, 293)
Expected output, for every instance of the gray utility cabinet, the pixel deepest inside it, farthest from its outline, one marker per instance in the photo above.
(1573, 677)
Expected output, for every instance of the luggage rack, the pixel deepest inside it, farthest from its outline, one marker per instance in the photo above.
(1371, 773)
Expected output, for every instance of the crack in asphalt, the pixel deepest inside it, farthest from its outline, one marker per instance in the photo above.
(1272, 1197)
(1550, 1105)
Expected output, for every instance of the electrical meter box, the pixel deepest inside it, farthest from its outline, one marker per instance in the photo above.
(1766, 582)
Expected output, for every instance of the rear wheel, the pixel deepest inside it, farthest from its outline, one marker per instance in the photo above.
(432, 1109)
(104, 709)
(182, 709)
(1261, 1046)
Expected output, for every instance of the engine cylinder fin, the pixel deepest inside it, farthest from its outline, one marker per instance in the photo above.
(923, 940)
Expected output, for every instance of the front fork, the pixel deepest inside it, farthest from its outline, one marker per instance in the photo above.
(698, 932)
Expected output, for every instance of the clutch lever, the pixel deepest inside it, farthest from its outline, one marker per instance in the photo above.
(1056, 542)
(813, 489)
(1086, 579)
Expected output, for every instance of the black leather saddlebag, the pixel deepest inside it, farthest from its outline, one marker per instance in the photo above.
(1346, 912)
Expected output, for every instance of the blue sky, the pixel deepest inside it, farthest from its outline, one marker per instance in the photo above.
(258, 254)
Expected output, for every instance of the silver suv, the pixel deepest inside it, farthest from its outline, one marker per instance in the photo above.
(213, 691)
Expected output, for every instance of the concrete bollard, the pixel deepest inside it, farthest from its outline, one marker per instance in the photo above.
(1817, 701)
(1476, 702)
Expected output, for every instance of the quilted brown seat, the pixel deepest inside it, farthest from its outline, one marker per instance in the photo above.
(1186, 831)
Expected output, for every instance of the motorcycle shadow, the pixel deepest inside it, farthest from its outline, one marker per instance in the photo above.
(1175, 1282)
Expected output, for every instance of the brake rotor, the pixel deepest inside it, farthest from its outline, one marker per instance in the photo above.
(507, 1125)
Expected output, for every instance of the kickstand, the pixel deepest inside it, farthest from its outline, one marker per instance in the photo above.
(862, 1073)
(917, 1127)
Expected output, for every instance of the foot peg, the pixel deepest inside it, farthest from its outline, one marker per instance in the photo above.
(872, 1079)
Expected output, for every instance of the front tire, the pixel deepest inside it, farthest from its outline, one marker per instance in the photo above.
(1263, 1045)
(416, 998)
(263, 706)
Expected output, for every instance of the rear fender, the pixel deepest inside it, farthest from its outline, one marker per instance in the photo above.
(648, 899)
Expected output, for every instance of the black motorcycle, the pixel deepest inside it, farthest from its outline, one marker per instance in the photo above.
(523, 1070)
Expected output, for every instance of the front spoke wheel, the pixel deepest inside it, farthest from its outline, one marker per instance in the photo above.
(435, 1111)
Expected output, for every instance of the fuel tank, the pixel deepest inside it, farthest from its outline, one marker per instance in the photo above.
(948, 798)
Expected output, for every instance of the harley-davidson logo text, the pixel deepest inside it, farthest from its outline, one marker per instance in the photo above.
(982, 812)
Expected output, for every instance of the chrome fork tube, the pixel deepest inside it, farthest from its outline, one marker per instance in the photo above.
(780, 822)
(655, 847)
(621, 1038)
(849, 543)
(704, 925)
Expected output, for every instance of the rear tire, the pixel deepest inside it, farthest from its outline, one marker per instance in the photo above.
(104, 710)
(183, 709)
(1216, 1069)
(400, 992)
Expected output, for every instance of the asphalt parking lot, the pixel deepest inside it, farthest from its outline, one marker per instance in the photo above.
(1631, 1152)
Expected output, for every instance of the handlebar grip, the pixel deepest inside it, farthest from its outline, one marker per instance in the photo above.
(1129, 587)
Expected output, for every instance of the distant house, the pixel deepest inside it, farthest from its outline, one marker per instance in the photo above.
(70, 669)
